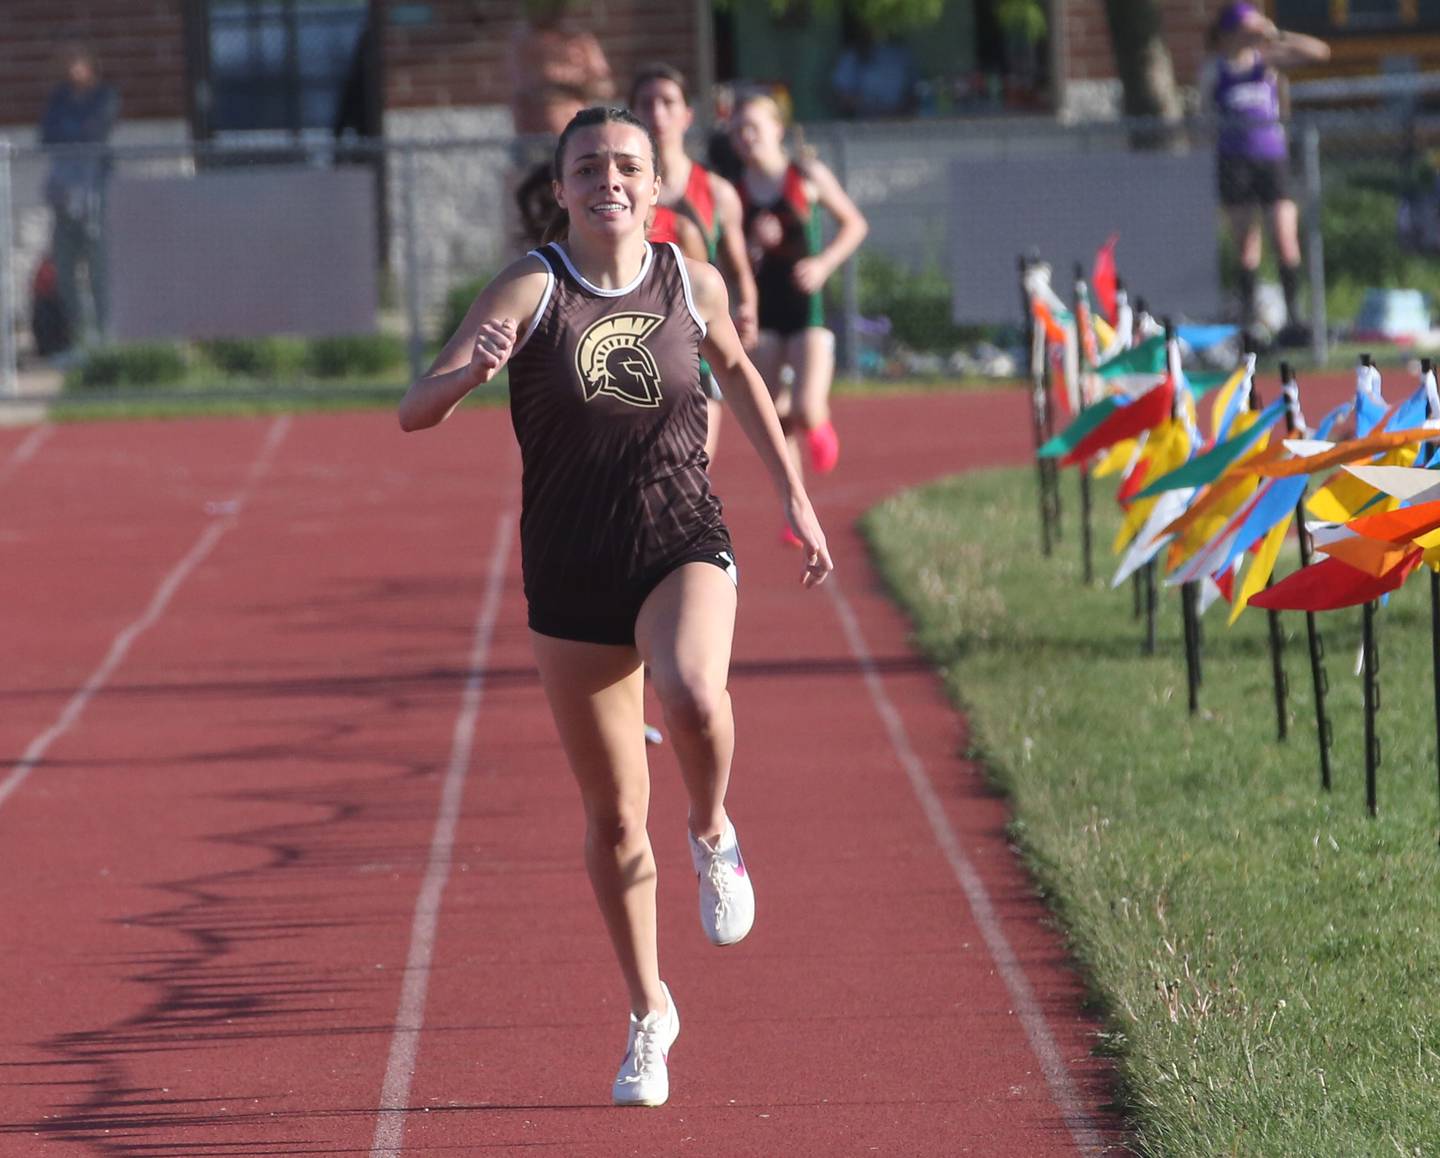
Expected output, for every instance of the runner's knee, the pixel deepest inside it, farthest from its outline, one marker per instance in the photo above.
(615, 821)
(691, 703)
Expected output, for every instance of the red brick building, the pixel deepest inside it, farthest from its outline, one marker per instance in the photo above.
(432, 54)
(1365, 38)
(1083, 51)
(162, 54)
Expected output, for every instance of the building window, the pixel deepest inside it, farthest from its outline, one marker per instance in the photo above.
(287, 66)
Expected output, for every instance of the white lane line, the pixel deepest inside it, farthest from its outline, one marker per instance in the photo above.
(212, 534)
(1057, 1076)
(410, 1016)
(25, 451)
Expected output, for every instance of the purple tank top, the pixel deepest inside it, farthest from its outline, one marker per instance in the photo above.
(1248, 104)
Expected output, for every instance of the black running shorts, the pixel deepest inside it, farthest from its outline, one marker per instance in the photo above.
(616, 624)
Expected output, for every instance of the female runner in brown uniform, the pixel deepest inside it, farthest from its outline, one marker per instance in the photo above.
(626, 558)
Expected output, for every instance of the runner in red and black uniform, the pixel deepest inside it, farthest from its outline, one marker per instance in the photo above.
(679, 224)
(781, 198)
(785, 231)
(695, 204)
(625, 555)
(660, 97)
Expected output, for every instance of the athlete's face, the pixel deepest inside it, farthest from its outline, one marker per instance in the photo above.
(757, 131)
(608, 183)
(661, 105)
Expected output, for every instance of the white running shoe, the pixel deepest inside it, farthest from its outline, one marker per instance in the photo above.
(727, 899)
(644, 1078)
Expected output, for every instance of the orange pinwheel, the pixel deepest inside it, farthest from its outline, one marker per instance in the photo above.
(1399, 526)
(1356, 448)
(1373, 556)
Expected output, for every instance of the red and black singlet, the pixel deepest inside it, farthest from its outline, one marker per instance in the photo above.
(701, 200)
(608, 411)
(784, 308)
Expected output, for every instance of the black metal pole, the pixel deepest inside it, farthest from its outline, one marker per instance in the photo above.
(1435, 655)
(1190, 620)
(1319, 680)
(1148, 647)
(1137, 593)
(1082, 322)
(1370, 666)
(1048, 410)
(1037, 402)
(1372, 704)
(1193, 611)
(1427, 372)
(1037, 408)
(1052, 465)
(1278, 678)
(1189, 592)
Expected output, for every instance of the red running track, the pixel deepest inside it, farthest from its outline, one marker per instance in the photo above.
(292, 860)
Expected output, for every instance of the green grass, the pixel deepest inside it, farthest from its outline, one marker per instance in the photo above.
(1265, 953)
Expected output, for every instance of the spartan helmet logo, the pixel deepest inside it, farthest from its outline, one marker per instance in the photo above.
(612, 359)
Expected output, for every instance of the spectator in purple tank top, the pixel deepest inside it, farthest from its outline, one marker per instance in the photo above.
(1253, 154)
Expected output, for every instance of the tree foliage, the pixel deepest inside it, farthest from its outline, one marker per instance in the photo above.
(880, 17)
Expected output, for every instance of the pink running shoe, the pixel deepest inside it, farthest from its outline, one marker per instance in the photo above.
(789, 538)
(824, 446)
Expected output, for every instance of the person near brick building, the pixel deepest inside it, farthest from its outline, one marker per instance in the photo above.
(1253, 156)
(78, 120)
(626, 559)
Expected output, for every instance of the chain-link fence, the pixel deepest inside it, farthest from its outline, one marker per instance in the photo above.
(306, 263)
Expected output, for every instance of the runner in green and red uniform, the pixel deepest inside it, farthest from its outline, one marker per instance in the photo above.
(679, 224)
(781, 200)
(697, 205)
(660, 97)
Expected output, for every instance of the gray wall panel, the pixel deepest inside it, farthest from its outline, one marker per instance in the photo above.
(1163, 206)
(243, 254)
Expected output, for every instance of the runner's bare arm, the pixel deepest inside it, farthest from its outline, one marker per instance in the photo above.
(1282, 49)
(732, 248)
(748, 399)
(690, 238)
(811, 273)
(480, 346)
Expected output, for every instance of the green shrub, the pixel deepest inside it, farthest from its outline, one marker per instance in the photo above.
(1362, 242)
(1363, 247)
(266, 358)
(917, 304)
(457, 302)
(350, 355)
(138, 364)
